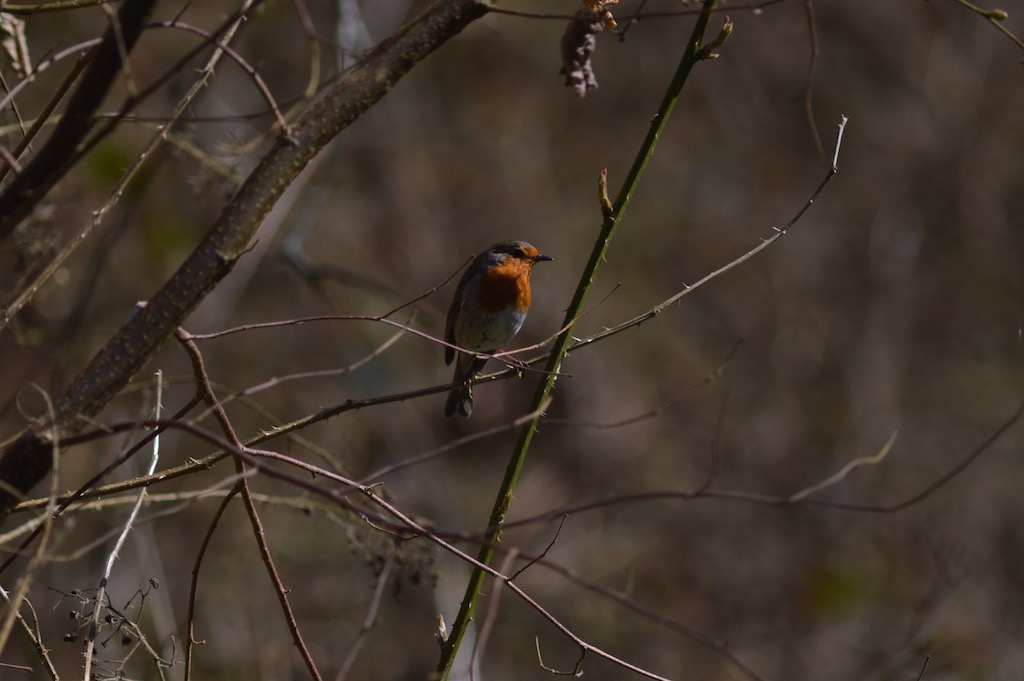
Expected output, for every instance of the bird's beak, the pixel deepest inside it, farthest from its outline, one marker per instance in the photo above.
(541, 258)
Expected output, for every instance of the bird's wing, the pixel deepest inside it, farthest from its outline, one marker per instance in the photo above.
(449, 326)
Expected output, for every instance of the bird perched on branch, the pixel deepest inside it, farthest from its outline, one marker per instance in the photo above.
(489, 308)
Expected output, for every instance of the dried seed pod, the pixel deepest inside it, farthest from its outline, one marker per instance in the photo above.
(602, 7)
(578, 44)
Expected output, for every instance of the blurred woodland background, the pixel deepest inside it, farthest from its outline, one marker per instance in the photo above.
(893, 308)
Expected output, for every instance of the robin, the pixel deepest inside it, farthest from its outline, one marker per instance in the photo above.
(489, 308)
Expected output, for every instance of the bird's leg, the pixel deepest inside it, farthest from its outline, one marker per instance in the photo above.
(515, 364)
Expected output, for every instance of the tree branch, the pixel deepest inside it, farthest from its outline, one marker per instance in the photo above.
(26, 461)
(51, 162)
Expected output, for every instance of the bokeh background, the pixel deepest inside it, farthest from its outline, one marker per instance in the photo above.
(894, 306)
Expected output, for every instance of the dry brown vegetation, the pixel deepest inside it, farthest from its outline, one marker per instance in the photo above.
(807, 468)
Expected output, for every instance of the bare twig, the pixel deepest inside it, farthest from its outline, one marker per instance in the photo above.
(996, 17)
(746, 7)
(53, 6)
(452, 446)
(314, 47)
(32, 288)
(543, 553)
(787, 500)
(224, 49)
(35, 636)
(371, 616)
(193, 592)
(428, 293)
(324, 373)
(779, 232)
(577, 670)
(229, 238)
(845, 471)
(101, 593)
(90, 490)
(491, 616)
(203, 386)
(53, 159)
(254, 459)
(710, 378)
(924, 667)
(812, 62)
(716, 456)
(45, 114)
(65, 500)
(20, 592)
(82, 49)
(693, 53)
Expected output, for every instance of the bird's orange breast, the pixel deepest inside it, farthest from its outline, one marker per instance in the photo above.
(506, 285)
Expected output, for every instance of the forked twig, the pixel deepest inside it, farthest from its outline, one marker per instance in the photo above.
(108, 568)
(203, 386)
(577, 670)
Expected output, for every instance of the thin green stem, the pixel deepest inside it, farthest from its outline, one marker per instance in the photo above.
(996, 17)
(694, 53)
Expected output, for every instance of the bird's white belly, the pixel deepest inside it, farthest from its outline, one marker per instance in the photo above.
(489, 331)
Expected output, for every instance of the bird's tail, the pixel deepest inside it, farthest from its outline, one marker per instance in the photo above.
(460, 400)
